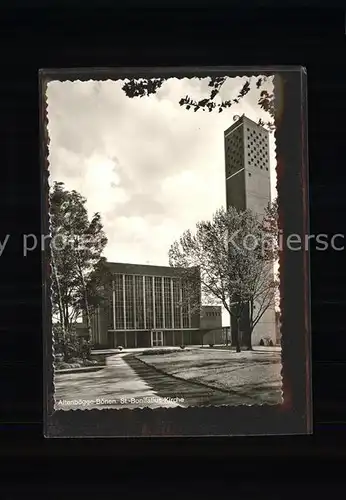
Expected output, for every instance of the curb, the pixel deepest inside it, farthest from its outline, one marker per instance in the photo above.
(83, 369)
(189, 381)
(255, 351)
(104, 354)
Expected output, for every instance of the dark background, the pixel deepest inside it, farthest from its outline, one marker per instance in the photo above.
(33, 38)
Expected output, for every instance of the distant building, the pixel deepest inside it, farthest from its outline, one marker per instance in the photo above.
(226, 335)
(211, 325)
(147, 306)
(248, 187)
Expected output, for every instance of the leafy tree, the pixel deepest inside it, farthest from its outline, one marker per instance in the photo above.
(98, 285)
(76, 247)
(270, 228)
(142, 87)
(262, 292)
(61, 259)
(232, 271)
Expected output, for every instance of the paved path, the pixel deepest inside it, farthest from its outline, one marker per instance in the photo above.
(116, 386)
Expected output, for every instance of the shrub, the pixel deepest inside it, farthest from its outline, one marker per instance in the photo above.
(86, 347)
(76, 360)
(91, 362)
(211, 345)
(65, 366)
(270, 343)
(70, 347)
(261, 342)
(75, 365)
(61, 365)
(154, 352)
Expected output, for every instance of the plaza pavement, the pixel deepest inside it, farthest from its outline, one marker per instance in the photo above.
(127, 382)
(115, 386)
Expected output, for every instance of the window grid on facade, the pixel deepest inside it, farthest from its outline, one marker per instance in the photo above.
(234, 151)
(119, 302)
(129, 302)
(149, 302)
(158, 302)
(139, 302)
(110, 310)
(163, 304)
(176, 303)
(185, 307)
(167, 302)
(257, 149)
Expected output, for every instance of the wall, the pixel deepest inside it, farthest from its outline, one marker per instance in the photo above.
(266, 327)
(257, 168)
(211, 323)
(214, 337)
(147, 270)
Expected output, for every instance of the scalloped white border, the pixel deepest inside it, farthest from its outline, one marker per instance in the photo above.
(47, 188)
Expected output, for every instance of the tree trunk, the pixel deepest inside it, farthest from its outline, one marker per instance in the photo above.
(233, 327)
(249, 327)
(88, 318)
(60, 306)
(238, 349)
(234, 333)
(247, 339)
(235, 330)
(66, 321)
(86, 301)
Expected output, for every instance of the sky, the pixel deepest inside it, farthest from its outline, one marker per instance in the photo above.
(150, 167)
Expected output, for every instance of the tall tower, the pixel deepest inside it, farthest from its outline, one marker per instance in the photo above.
(248, 187)
(247, 166)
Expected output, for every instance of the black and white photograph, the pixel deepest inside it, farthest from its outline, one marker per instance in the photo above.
(163, 213)
(165, 243)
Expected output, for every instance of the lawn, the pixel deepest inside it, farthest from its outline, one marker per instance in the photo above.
(253, 374)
